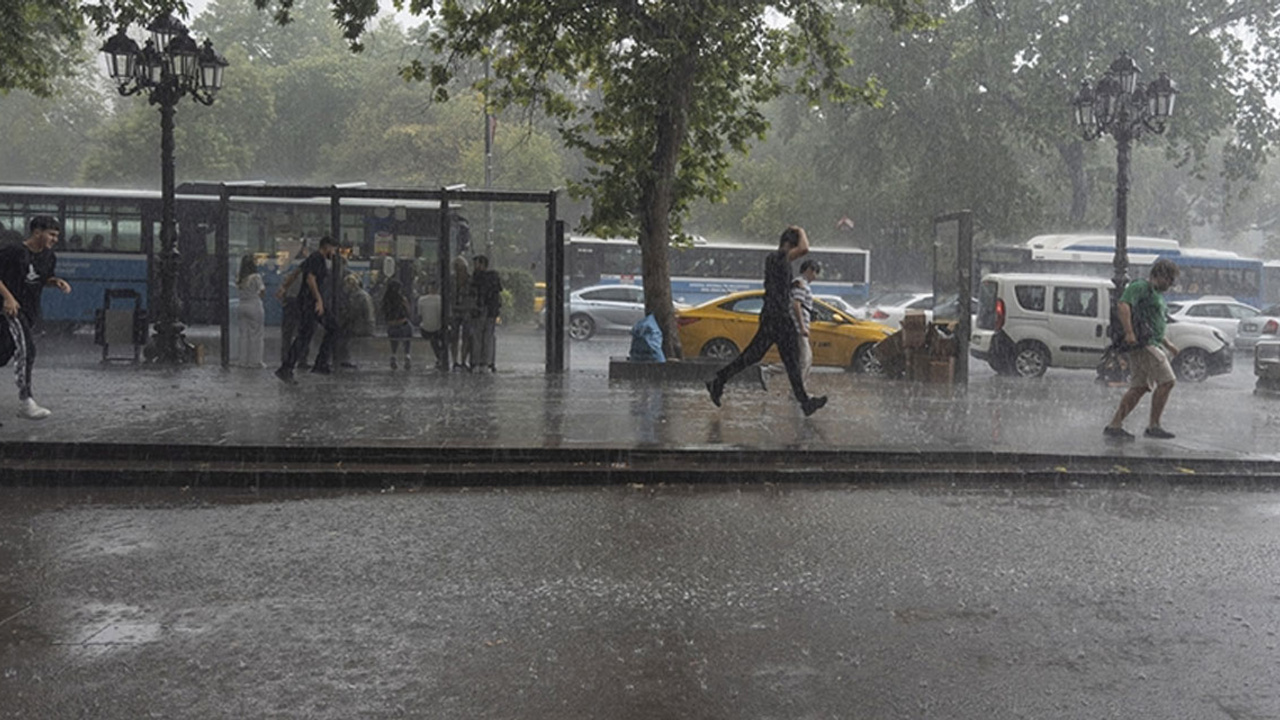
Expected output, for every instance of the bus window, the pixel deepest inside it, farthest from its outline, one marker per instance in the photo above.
(105, 228)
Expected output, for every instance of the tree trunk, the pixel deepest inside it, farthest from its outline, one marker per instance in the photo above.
(657, 200)
(1072, 154)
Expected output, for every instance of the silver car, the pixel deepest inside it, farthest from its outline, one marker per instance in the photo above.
(604, 309)
(1263, 326)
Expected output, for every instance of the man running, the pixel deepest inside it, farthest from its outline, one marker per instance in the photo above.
(25, 270)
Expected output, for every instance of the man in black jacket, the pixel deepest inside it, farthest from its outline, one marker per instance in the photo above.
(489, 304)
(314, 272)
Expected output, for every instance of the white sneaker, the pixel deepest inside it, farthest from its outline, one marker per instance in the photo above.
(31, 411)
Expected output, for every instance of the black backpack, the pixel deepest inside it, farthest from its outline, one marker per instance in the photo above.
(1141, 328)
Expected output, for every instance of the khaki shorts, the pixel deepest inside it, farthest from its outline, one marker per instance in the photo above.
(1149, 367)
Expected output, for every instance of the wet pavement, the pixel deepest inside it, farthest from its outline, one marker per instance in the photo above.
(640, 602)
(521, 418)
(209, 543)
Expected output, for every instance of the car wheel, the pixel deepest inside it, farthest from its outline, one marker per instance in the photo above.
(1030, 359)
(720, 349)
(1192, 365)
(581, 327)
(865, 361)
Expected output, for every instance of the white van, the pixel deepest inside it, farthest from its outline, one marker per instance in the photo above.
(1028, 323)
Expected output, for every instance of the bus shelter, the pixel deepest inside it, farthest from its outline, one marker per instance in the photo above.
(435, 229)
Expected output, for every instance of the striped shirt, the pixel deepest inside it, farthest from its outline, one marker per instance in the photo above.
(801, 293)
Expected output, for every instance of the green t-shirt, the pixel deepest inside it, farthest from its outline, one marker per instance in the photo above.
(1148, 306)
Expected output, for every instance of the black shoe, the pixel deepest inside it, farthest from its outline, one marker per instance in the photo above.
(813, 405)
(286, 376)
(716, 388)
(1159, 433)
(1115, 433)
(492, 369)
(321, 370)
(348, 365)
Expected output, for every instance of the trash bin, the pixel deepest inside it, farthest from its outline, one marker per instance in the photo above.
(120, 325)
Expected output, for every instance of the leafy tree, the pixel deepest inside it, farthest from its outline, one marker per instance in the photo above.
(679, 87)
(42, 39)
(46, 140)
(219, 141)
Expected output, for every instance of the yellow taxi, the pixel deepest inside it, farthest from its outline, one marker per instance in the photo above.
(539, 296)
(723, 327)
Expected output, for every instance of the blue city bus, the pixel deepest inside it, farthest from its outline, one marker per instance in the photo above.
(1202, 272)
(110, 241)
(706, 270)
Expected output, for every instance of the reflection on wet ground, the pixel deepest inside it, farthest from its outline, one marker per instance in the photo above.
(520, 407)
(748, 601)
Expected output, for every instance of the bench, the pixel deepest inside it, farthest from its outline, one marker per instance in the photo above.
(690, 371)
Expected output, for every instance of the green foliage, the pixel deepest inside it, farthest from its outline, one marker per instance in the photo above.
(517, 296)
(42, 40)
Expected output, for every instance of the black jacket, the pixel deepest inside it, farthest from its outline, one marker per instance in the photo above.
(488, 292)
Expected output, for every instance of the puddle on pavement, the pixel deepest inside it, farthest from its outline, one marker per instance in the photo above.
(98, 628)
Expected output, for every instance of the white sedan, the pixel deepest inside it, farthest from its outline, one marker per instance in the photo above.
(889, 309)
(1263, 326)
(1223, 313)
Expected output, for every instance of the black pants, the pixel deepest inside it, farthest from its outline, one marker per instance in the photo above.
(289, 321)
(439, 346)
(21, 348)
(307, 328)
(773, 331)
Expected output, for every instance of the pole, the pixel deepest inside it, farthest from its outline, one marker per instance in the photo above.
(169, 346)
(1121, 259)
(488, 165)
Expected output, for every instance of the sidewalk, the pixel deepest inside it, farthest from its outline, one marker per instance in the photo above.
(126, 423)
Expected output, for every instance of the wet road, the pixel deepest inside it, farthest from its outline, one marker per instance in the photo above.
(642, 602)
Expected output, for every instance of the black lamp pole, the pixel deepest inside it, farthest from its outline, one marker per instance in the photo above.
(167, 68)
(1118, 106)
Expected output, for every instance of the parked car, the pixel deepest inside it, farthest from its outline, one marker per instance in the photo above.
(839, 303)
(1266, 367)
(1028, 323)
(604, 309)
(889, 309)
(1224, 313)
(1263, 326)
(723, 327)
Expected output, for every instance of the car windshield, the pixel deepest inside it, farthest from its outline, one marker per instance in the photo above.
(1272, 310)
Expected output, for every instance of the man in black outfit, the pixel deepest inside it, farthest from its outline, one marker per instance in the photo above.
(25, 270)
(776, 325)
(314, 272)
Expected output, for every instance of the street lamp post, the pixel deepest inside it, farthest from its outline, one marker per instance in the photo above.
(1118, 106)
(167, 68)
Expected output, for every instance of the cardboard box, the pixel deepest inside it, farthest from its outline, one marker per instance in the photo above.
(913, 329)
(918, 365)
(941, 370)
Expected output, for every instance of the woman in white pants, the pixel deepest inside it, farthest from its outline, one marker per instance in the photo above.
(250, 317)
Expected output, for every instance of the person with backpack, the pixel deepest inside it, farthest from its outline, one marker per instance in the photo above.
(1142, 314)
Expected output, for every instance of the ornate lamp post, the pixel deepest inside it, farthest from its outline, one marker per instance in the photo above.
(1118, 106)
(167, 68)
